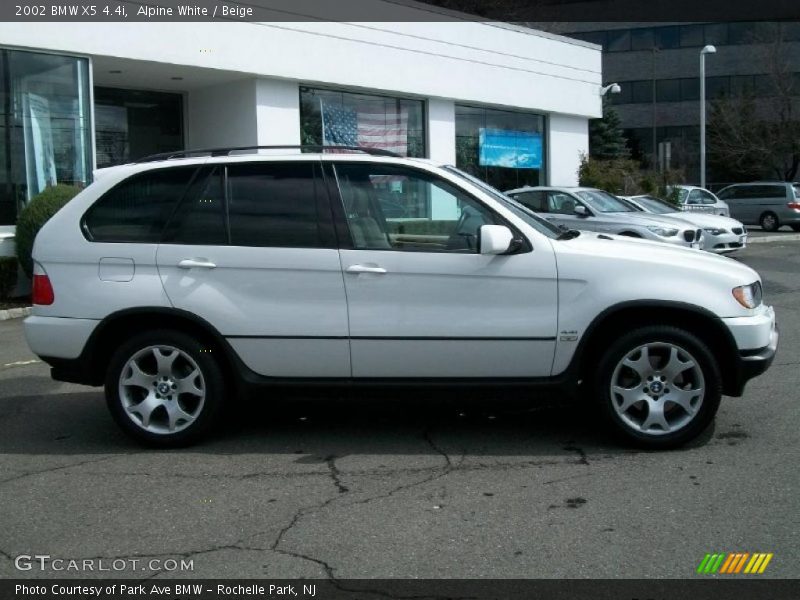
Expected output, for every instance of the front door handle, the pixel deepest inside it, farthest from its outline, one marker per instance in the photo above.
(194, 263)
(365, 269)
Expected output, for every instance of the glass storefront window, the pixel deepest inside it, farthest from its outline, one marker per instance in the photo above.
(333, 118)
(132, 124)
(45, 130)
(506, 149)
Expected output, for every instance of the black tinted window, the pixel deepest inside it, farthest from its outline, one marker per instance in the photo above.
(200, 218)
(272, 204)
(533, 200)
(137, 209)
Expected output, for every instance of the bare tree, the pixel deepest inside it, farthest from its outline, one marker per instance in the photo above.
(756, 132)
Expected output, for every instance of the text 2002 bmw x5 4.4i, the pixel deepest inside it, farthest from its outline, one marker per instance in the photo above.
(179, 283)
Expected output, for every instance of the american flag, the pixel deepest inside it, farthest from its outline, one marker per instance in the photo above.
(370, 125)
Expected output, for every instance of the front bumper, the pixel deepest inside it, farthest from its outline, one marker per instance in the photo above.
(722, 244)
(757, 339)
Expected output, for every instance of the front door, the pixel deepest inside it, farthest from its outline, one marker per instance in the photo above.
(251, 250)
(422, 301)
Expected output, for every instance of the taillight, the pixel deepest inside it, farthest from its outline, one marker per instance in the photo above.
(42, 290)
(794, 205)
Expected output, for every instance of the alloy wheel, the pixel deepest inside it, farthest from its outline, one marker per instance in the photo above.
(162, 389)
(657, 388)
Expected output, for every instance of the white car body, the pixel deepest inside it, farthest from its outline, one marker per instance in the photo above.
(693, 198)
(344, 315)
(721, 235)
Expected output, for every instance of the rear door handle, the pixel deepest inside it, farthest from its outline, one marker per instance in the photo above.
(193, 263)
(366, 269)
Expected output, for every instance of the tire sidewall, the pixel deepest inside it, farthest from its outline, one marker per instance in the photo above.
(653, 334)
(211, 375)
(774, 216)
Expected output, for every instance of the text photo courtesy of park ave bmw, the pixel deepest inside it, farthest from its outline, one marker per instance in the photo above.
(399, 299)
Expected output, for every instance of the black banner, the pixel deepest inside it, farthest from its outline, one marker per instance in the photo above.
(521, 11)
(747, 587)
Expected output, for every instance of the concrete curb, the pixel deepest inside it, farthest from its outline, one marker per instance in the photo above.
(14, 313)
(779, 237)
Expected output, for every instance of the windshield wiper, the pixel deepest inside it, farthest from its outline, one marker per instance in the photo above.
(568, 234)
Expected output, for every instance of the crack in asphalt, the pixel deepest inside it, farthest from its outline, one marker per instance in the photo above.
(59, 468)
(335, 474)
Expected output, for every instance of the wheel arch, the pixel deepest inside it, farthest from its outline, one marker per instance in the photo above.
(116, 326)
(626, 316)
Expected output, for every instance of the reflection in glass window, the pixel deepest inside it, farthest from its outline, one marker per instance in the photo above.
(668, 37)
(619, 40)
(691, 36)
(497, 172)
(716, 33)
(45, 135)
(332, 118)
(641, 91)
(668, 90)
(132, 124)
(642, 39)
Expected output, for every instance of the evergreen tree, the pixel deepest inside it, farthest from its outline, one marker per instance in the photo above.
(606, 140)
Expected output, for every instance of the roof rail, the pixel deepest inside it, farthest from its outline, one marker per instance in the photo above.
(227, 151)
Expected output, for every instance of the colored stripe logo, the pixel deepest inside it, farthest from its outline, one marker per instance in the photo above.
(734, 563)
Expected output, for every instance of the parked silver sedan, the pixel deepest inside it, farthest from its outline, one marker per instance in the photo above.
(596, 210)
(721, 235)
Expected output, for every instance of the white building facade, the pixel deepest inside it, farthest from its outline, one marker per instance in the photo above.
(88, 95)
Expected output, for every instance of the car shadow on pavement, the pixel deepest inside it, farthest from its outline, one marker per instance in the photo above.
(79, 424)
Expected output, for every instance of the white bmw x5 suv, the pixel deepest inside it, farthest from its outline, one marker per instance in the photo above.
(182, 281)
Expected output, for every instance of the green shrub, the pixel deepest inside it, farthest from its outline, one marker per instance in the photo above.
(625, 177)
(37, 212)
(8, 275)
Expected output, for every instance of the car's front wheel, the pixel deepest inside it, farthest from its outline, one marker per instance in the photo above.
(164, 388)
(659, 386)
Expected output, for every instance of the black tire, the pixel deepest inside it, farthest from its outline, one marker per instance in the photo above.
(212, 382)
(657, 334)
(769, 221)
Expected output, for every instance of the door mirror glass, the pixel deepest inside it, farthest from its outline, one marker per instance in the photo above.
(495, 239)
(581, 210)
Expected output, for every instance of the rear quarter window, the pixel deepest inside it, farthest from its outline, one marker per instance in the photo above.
(137, 209)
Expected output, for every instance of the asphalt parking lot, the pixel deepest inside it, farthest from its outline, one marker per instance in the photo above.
(418, 488)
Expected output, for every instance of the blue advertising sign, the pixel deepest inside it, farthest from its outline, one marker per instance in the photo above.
(510, 149)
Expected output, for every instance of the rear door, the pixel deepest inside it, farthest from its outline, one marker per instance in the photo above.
(423, 302)
(251, 250)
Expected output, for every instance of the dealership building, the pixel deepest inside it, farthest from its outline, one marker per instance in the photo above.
(82, 96)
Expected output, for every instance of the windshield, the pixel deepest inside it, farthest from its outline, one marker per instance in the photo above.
(603, 202)
(655, 205)
(518, 209)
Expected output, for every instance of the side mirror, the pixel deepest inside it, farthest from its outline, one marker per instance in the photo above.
(495, 239)
(580, 210)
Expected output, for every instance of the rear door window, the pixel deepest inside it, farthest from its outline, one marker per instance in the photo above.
(137, 209)
(533, 200)
(273, 204)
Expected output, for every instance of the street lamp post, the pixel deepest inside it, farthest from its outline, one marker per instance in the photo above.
(706, 50)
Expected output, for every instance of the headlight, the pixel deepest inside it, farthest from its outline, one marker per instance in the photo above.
(715, 230)
(662, 231)
(748, 296)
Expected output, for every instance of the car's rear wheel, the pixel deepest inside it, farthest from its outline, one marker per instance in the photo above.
(769, 222)
(164, 389)
(659, 386)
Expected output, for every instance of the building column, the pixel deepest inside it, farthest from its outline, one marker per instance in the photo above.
(441, 128)
(222, 115)
(278, 112)
(568, 139)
